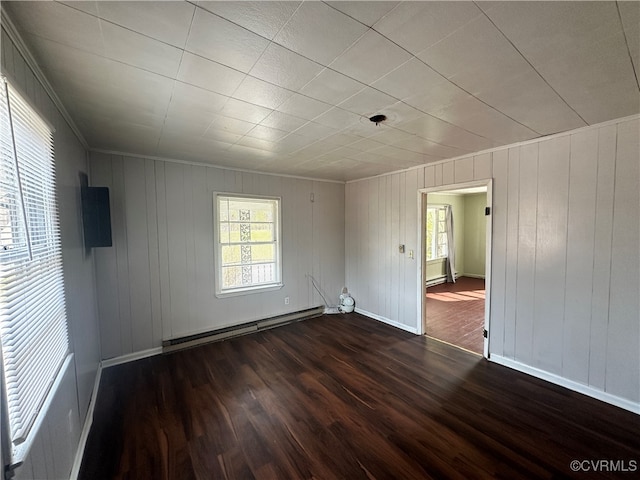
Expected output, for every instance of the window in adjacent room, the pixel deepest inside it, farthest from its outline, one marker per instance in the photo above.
(436, 232)
(33, 321)
(248, 248)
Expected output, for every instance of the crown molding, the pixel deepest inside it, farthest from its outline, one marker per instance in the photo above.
(12, 32)
(211, 165)
(539, 139)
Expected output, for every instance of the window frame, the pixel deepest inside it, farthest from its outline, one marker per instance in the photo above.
(436, 234)
(15, 450)
(218, 264)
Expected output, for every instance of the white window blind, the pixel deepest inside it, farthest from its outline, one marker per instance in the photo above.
(33, 325)
(248, 243)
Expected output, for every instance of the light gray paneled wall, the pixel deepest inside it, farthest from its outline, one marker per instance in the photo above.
(53, 452)
(475, 234)
(565, 254)
(157, 281)
(381, 214)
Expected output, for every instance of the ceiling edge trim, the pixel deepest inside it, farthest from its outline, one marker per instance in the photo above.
(614, 121)
(17, 40)
(211, 165)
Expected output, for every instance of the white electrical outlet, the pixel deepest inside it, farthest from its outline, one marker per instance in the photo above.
(286, 300)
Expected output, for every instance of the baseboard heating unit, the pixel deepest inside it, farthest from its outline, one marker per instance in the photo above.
(237, 330)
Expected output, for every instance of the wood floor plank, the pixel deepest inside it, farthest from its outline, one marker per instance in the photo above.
(455, 313)
(343, 396)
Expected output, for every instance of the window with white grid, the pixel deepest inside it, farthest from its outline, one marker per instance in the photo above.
(247, 243)
(33, 322)
(436, 232)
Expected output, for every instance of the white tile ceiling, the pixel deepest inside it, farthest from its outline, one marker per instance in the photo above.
(287, 87)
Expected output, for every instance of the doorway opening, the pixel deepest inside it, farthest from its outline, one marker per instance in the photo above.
(455, 264)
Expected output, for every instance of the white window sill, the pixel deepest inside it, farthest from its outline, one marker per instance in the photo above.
(249, 290)
(21, 451)
(436, 260)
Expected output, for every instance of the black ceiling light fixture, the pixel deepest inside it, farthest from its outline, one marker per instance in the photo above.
(378, 119)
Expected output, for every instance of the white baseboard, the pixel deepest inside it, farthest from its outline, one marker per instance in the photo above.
(388, 321)
(432, 282)
(471, 275)
(86, 428)
(435, 281)
(570, 384)
(130, 357)
(88, 421)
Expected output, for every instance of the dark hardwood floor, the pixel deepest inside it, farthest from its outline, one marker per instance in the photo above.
(455, 313)
(343, 396)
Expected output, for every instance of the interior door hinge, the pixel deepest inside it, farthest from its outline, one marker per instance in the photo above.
(487, 210)
(485, 333)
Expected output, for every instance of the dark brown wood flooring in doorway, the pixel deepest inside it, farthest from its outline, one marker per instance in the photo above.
(342, 397)
(455, 313)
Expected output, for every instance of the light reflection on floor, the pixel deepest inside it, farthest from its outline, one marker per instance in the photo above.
(465, 296)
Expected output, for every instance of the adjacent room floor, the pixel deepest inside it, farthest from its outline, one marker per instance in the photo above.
(342, 396)
(455, 313)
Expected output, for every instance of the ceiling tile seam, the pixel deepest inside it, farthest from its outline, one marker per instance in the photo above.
(428, 139)
(437, 118)
(626, 41)
(237, 142)
(209, 165)
(249, 70)
(427, 113)
(380, 91)
(240, 26)
(360, 138)
(384, 93)
(530, 64)
(411, 106)
(338, 55)
(377, 90)
(307, 121)
(104, 46)
(269, 40)
(376, 162)
(117, 24)
(320, 115)
(202, 137)
(404, 103)
(12, 32)
(359, 152)
(228, 97)
(102, 56)
(480, 12)
(510, 146)
(315, 142)
(256, 78)
(355, 19)
(397, 100)
(458, 86)
(184, 48)
(248, 75)
(173, 87)
(288, 20)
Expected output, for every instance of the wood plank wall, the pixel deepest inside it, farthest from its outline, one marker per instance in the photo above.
(54, 448)
(566, 249)
(157, 282)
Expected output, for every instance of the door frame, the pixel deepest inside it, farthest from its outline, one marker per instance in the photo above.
(421, 253)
